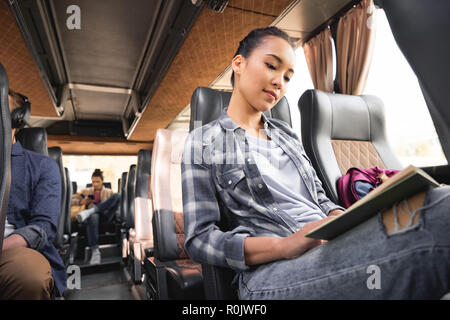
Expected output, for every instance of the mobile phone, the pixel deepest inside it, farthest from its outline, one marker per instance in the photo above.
(91, 196)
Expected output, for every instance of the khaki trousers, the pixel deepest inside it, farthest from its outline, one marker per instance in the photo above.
(25, 274)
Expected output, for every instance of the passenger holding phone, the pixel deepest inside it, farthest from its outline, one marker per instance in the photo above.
(101, 206)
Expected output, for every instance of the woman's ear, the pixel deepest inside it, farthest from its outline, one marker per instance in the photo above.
(237, 63)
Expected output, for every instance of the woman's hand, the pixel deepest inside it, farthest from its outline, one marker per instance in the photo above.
(297, 244)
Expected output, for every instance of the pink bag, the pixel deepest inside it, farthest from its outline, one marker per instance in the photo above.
(346, 183)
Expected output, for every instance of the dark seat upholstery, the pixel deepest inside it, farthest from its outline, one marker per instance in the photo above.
(206, 105)
(123, 207)
(173, 275)
(141, 237)
(56, 154)
(131, 185)
(68, 223)
(343, 131)
(34, 139)
(5, 151)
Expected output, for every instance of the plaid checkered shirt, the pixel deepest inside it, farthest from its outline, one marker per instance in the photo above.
(225, 198)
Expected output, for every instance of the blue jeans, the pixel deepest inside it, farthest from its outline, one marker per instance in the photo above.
(365, 263)
(105, 213)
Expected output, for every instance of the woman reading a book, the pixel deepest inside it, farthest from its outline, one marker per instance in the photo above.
(259, 171)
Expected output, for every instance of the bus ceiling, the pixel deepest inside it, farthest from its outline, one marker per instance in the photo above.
(131, 67)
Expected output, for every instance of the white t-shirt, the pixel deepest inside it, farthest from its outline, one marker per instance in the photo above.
(284, 181)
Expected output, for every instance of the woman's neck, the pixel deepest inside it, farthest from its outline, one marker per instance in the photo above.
(249, 119)
(241, 112)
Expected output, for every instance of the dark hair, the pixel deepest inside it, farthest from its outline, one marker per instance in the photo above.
(253, 40)
(17, 98)
(98, 173)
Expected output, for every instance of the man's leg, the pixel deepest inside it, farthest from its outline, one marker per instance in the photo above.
(106, 208)
(92, 237)
(25, 274)
(109, 207)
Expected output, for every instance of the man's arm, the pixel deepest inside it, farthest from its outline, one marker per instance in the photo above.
(45, 207)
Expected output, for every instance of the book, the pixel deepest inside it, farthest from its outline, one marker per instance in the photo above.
(406, 183)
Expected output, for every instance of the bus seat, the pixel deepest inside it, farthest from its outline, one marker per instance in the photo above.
(141, 237)
(206, 105)
(105, 184)
(176, 276)
(123, 214)
(131, 183)
(62, 239)
(34, 139)
(5, 150)
(123, 197)
(343, 131)
(68, 222)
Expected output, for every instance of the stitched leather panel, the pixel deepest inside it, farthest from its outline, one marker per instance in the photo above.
(179, 229)
(352, 153)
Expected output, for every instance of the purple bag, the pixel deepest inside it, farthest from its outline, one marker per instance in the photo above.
(346, 184)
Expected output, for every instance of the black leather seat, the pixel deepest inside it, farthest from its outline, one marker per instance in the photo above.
(343, 131)
(141, 237)
(123, 209)
(56, 154)
(34, 139)
(68, 223)
(5, 150)
(131, 185)
(207, 105)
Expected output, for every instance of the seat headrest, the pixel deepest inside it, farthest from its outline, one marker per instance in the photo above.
(56, 154)
(143, 167)
(207, 104)
(33, 139)
(343, 117)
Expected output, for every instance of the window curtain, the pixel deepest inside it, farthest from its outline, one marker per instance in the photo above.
(319, 58)
(355, 42)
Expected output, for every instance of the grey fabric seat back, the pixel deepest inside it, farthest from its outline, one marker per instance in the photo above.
(56, 154)
(5, 151)
(343, 131)
(207, 104)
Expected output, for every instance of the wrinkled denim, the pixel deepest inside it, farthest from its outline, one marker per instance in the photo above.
(413, 263)
(105, 213)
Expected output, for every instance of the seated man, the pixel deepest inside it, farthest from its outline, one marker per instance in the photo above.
(101, 203)
(30, 266)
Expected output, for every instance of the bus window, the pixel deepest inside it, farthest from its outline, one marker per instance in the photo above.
(300, 82)
(410, 130)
